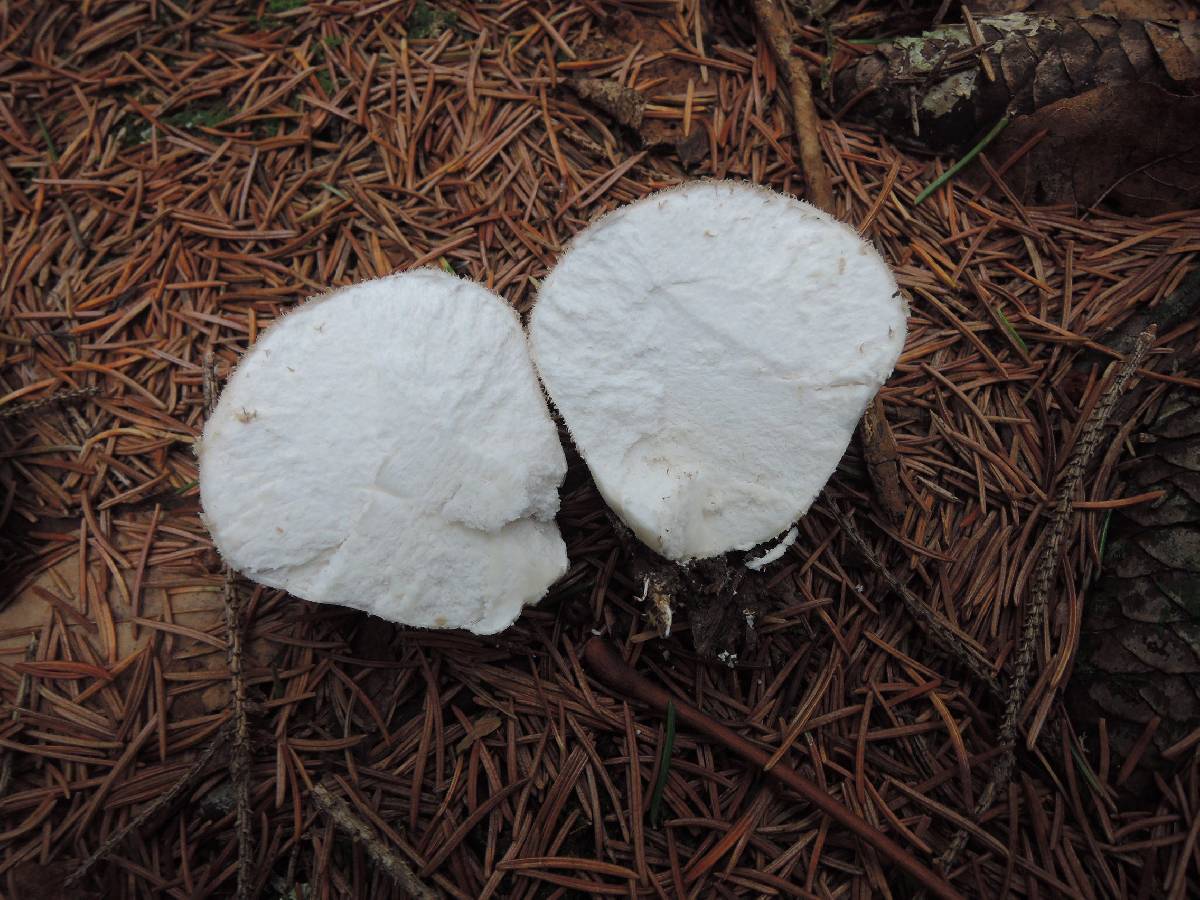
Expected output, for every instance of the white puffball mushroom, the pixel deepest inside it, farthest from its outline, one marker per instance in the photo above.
(711, 349)
(387, 447)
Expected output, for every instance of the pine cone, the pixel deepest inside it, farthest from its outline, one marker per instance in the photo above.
(1139, 652)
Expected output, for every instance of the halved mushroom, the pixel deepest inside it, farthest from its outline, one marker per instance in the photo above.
(711, 349)
(387, 447)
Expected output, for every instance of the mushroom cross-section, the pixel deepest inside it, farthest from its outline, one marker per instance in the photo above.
(387, 447)
(711, 349)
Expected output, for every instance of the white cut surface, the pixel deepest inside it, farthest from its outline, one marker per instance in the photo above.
(711, 349)
(388, 448)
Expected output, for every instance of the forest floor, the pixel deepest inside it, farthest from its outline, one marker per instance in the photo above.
(177, 175)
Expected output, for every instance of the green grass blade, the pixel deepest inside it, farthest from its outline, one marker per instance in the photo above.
(1012, 332)
(50, 148)
(664, 767)
(1104, 533)
(1088, 775)
(958, 166)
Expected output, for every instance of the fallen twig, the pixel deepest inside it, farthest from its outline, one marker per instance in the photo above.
(398, 870)
(804, 113)
(31, 406)
(608, 666)
(1035, 611)
(239, 767)
(161, 802)
(937, 628)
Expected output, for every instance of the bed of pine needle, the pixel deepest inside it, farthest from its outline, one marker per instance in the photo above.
(175, 175)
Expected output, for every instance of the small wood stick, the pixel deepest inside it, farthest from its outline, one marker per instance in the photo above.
(937, 628)
(804, 113)
(608, 666)
(883, 458)
(161, 802)
(398, 870)
(978, 41)
(239, 768)
(75, 395)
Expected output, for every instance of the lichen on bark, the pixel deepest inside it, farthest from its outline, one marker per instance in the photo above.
(935, 85)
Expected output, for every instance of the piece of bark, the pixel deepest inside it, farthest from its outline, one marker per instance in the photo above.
(935, 85)
(624, 104)
(882, 457)
(617, 36)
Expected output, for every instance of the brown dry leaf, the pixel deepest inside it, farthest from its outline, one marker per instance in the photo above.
(1134, 144)
(185, 601)
(195, 604)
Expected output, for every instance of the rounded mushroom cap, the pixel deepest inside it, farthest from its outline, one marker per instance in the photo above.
(387, 447)
(711, 349)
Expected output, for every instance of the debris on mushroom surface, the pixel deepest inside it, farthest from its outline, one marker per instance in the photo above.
(711, 349)
(387, 447)
(758, 563)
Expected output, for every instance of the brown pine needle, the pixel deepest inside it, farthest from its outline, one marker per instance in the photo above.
(153, 808)
(6, 755)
